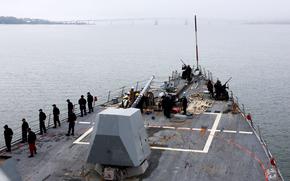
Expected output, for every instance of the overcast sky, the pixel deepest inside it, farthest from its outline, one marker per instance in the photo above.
(94, 9)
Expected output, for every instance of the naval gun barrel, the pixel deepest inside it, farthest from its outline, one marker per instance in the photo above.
(182, 62)
(228, 81)
(144, 90)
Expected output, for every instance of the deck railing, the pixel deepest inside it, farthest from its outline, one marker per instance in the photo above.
(111, 97)
(114, 96)
(256, 128)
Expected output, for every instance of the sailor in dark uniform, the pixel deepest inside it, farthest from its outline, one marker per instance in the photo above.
(24, 127)
(71, 124)
(31, 142)
(70, 107)
(42, 117)
(166, 105)
(56, 113)
(90, 100)
(189, 73)
(184, 103)
(210, 88)
(218, 89)
(8, 133)
(82, 103)
(141, 103)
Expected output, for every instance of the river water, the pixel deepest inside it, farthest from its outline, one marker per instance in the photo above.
(42, 65)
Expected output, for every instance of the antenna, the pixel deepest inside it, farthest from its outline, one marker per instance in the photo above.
(196, 46)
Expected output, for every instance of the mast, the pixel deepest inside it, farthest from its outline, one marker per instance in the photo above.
(196, 46)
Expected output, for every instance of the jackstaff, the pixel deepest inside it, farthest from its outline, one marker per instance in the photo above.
(196, 46)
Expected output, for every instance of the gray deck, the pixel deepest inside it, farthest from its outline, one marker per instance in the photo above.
(57, 157)
(231, 156)
(210, 146)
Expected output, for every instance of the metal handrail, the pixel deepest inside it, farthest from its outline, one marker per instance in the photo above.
(254, 127)
(258, 134)
(34, 124)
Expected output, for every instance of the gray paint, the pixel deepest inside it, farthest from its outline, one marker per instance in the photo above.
(8, 171)
(119, 138)
(59, 159)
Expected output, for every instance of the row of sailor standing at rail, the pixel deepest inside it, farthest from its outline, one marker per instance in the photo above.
(29, 136)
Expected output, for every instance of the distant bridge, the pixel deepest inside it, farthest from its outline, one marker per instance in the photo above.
(154, 21)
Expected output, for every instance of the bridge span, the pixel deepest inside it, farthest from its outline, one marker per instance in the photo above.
(154, 21)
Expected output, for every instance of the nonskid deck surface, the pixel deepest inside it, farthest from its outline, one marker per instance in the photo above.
(57, 157)
(214, 145)
(226, 150)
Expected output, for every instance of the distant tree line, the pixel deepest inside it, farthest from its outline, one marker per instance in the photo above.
(14, 20)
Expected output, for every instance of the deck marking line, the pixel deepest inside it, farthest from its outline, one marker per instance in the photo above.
(212, 132)
(176, 149)
(245, 132)
(229, 131)
(168, 127)
(81, 143)
(211, 113)
(156, 126)
(84, 122)
(78, 141)
(195, 129)
(152, 126)
(199, 129)
(182, 128)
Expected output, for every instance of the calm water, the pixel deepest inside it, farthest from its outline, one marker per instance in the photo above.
(42, 65)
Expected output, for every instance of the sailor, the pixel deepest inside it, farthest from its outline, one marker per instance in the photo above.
(183, 75)
(56, 113)
(131, 95)
(71, 124)
(125, 102)
(166, 105)
(218, 87)
(82, 103)
(42, 117)
(70, 107)
(184, 103)
(24, 127)
(90, 100)
(210, 88)
(141, 103)
(224, 93)
(8, 133)
(31, 142)
(189, 73)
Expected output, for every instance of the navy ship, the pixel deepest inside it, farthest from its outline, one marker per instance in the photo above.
(129, 137)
